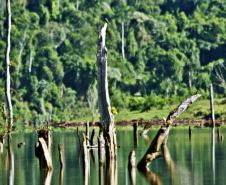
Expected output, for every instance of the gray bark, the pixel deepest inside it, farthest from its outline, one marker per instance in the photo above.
(107, 135)
(7, 60)
(107, 120)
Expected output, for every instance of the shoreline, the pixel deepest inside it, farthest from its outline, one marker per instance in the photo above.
(142, 122)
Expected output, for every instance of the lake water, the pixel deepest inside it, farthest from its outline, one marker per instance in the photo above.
(196, 161)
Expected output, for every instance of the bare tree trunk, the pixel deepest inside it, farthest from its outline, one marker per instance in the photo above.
(77, 4)
(107, 129)
(123, 41)
(212, 105)
(7, 61)
(107, 120)
(30, 61)
(190, 79)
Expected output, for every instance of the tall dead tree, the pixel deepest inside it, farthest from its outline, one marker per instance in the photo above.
(107, 136)
(7, 64)
(162, 135)
(106, 116)
(212, 105)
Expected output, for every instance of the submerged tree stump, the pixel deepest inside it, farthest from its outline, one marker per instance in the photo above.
(161, 137)
(43, 149)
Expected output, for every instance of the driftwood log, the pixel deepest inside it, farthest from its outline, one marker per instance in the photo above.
(161, 137)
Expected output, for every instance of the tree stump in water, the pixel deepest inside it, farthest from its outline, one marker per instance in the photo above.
(86, 161)
(43, 149)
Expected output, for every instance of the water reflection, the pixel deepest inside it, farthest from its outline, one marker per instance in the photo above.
(213, 155)
(10, 159)
(187, 162)
(46, 176)
(132, 167)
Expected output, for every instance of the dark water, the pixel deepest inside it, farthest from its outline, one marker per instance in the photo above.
(198, 161)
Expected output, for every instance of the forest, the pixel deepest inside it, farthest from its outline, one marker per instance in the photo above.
(158, 51)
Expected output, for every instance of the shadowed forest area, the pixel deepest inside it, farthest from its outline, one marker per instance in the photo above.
(159, 52)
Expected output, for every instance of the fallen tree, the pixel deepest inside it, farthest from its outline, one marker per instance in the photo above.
(161, 137)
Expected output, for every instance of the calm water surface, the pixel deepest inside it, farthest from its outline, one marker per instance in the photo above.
(198, 161)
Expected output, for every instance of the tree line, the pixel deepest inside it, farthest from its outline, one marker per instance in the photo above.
(156, 50)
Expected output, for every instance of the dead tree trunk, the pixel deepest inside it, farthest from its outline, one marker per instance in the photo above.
(123, 41)
(107, 137)
(162, 136)
(107, 120)
(7, 63)
(212, 105)
(86, 161)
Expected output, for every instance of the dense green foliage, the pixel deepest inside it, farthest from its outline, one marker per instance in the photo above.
(172, 48)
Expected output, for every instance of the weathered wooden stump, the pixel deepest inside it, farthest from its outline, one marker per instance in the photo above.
(43, 149)
(86, 161)
(132, 167)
